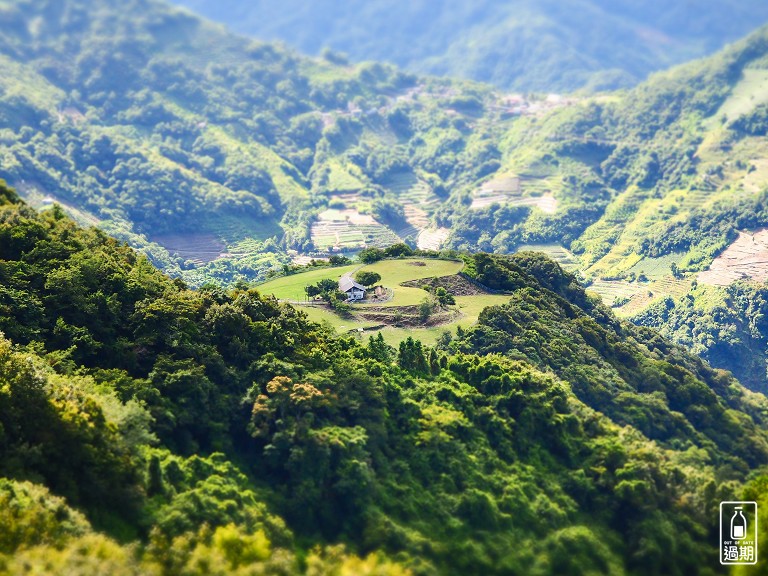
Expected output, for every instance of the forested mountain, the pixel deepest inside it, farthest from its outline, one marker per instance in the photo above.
(150, 429)
(660, 200)
(226, 159)
(162, 127)
(539, 45)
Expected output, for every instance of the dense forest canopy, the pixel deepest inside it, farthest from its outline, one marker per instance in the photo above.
(221, 432)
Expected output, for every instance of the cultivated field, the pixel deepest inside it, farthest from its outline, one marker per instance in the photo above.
(747, 257)
(612, 290)
(417, 199)
(432, 238)
(652, 291)
(555, 252)
(199, 248)
(514, 191)
(656, 268)
(349, 229)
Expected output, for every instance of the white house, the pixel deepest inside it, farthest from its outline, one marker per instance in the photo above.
(352, 289)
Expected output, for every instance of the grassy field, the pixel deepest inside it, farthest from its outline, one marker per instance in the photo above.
(656, 268)
(292, 287)
(470, 307)
(393, 273)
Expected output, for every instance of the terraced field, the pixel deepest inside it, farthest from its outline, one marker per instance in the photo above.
(510, 190)
(231, 229)
(199, 248)
(349, 230)
(653, 291)
(616, 290)
(304, 260)
(433, 238)
(746, 257)
(554, 251)
(417, 199)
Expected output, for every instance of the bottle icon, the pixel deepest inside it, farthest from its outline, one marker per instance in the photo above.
(738, 525)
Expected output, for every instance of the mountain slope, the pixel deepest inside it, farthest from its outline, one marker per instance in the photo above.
(225, 159)
(170, 132)
(660, 190)
(522, 45)
(488, 456)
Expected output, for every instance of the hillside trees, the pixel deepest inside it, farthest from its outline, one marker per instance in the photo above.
(224, 416)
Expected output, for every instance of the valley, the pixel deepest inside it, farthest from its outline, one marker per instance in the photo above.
(244, 161)
(265, 313)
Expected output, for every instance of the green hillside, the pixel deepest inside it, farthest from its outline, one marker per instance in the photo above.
(224, 159)
(149, 429)
(408, 304)
(666, 189)
(523, 45)
(216, 154)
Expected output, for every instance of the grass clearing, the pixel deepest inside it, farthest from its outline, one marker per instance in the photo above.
(341, 179)
(393, 273)
(749, 92)
(292, 287)
(470, 308)
(656, 268)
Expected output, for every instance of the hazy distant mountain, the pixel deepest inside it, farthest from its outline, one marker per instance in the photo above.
(542, 45)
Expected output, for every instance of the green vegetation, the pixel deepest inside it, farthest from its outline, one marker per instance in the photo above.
(523, 44)
(151, 132)
(367, 278)
(397, 315)
(725, 326)
(292, 287)
(149, 429)
(395, 272)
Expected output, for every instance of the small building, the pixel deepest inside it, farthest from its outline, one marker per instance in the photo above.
(352, 289)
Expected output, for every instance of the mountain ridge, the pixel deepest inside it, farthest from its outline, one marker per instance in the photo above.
(524, 46)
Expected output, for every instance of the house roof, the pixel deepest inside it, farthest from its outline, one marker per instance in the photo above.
(346, 284)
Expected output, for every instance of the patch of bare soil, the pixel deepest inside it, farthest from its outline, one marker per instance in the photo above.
(408, 317)
(746, 258)
(455, 285)
(198, 247)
